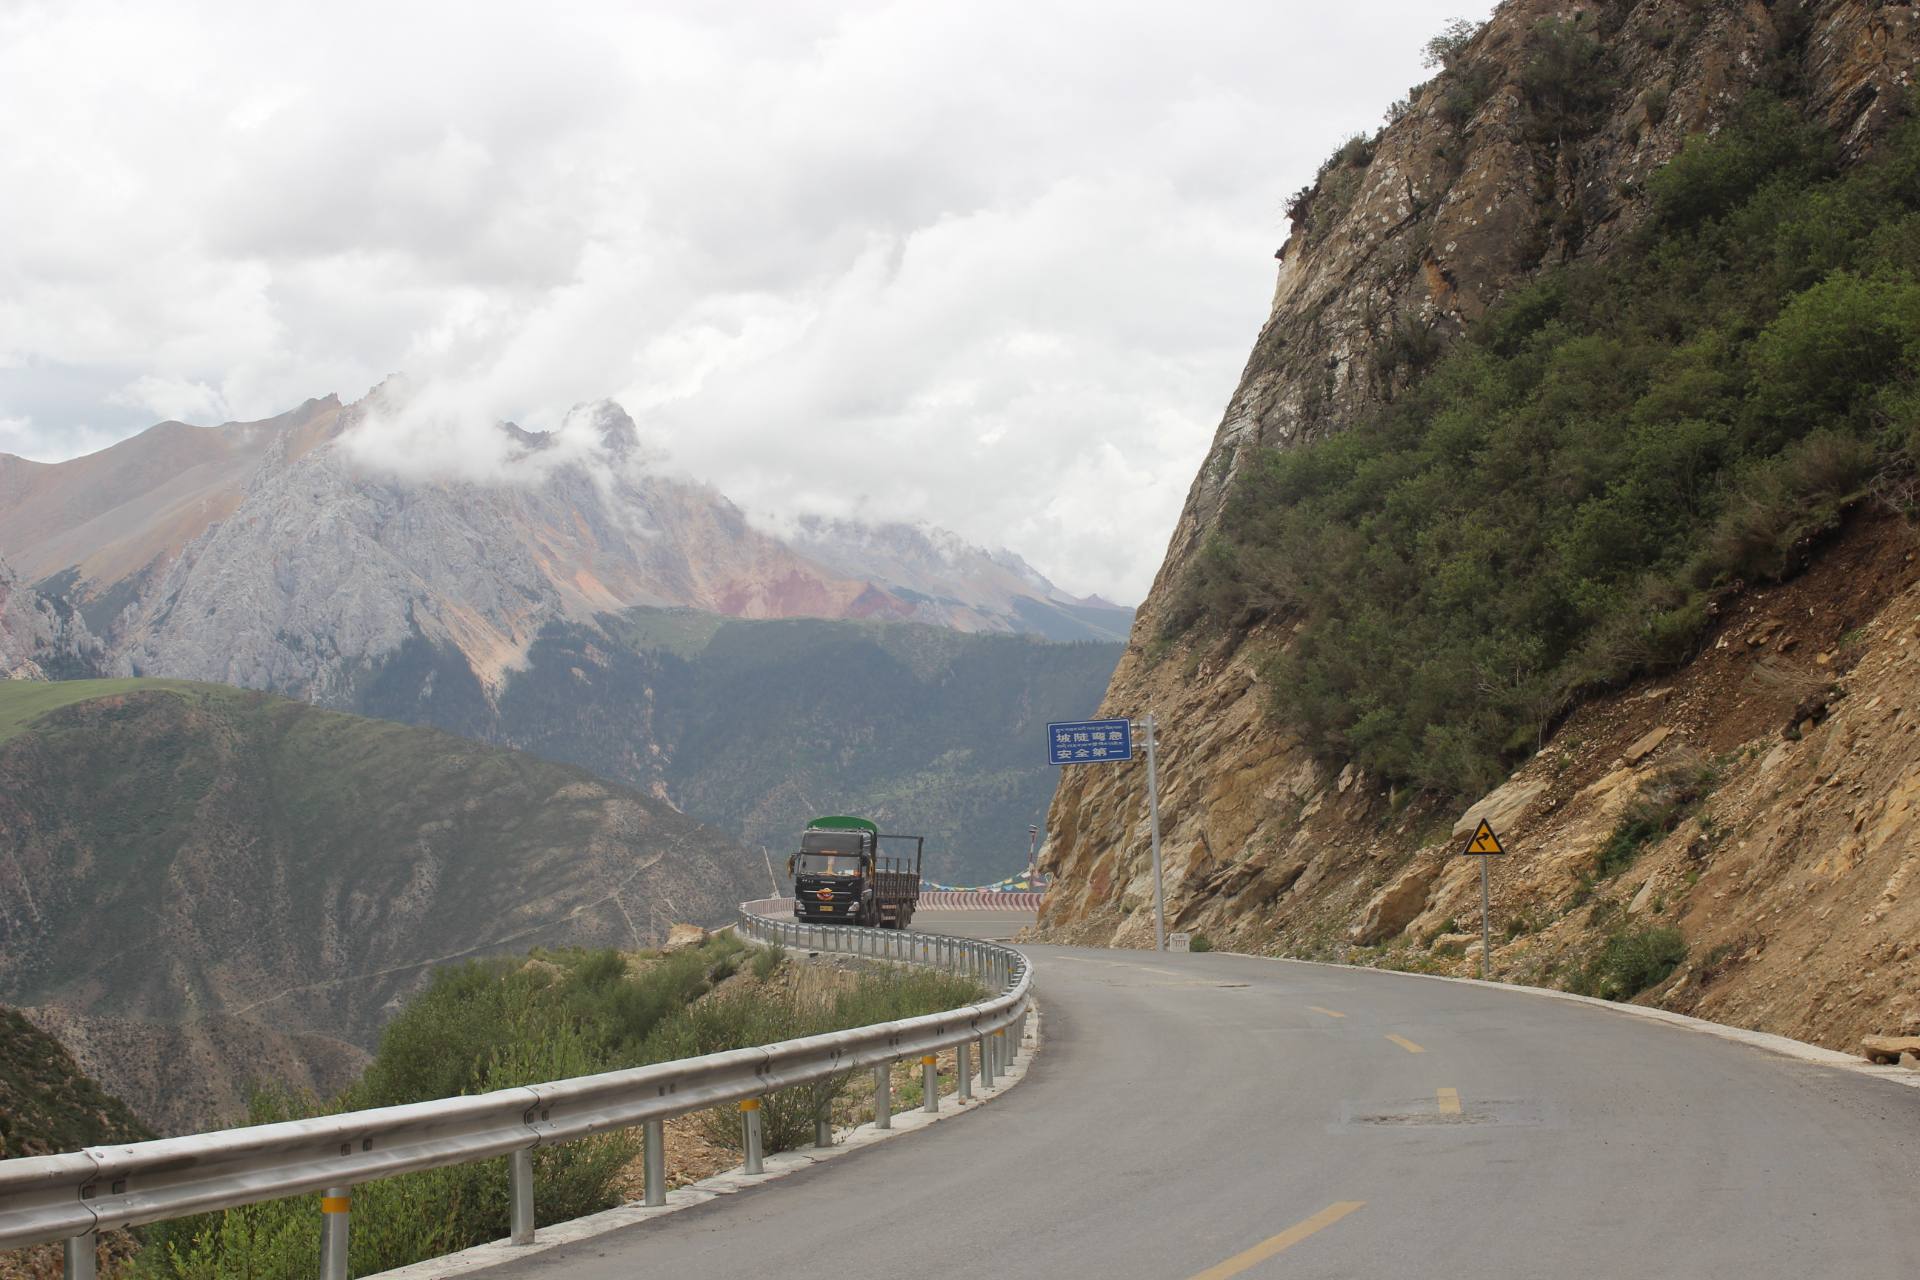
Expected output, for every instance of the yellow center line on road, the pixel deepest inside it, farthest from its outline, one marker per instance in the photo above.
(1293, 1235)
(1331, 1013)
(1405, 1043)
(1449, 1101)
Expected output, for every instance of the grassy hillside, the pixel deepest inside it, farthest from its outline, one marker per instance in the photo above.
(181, 850)
(1563, 500)
(24, 701)
(47, 1103)
(506, 1022)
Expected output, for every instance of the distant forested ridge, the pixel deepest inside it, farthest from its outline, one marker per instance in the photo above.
(756, 726)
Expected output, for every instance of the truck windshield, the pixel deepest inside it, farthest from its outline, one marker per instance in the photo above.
(829, 864)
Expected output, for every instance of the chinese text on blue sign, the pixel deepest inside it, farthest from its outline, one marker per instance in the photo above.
(1089, 741)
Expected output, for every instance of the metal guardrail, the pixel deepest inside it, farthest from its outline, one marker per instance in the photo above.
(73, 1197)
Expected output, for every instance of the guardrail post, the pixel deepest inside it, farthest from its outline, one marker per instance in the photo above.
(78, 1262)
(520, 1192)
(986, 1062)
(963, 1067)
(930, 1083)
(750, 1122)
(654, 1163)
(335, 1204)
(883, 1096)
(823, 1125)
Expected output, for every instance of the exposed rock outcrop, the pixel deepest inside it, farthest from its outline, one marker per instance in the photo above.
(1402, 244)
(39, 641)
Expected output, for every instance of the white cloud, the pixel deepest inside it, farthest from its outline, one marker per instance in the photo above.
(173, 398)
(991, 265)
(23, 438)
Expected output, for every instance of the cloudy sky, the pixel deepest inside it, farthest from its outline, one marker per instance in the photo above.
(993, 266)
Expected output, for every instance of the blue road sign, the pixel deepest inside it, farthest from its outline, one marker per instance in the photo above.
(1089, 741)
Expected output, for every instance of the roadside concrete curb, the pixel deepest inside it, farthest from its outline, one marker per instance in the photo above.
(1784, 1046)
(845, 1142)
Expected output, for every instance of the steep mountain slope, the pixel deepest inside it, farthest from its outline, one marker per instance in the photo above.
(47, 1103)
(295, 555)
(1324, 730)
(758, 726)
(38, 640)
(181, 853)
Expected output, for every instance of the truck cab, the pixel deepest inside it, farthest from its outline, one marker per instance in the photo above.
(840, 877)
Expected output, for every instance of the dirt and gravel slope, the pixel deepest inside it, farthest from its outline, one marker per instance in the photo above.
(1783, 758)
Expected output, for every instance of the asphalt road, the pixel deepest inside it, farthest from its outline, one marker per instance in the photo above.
(1206, 1116)
(994, 926)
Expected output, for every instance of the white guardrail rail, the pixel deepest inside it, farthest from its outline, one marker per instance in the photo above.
(75, 1196)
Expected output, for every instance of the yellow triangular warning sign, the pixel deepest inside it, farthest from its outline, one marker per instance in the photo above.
(1484, 841)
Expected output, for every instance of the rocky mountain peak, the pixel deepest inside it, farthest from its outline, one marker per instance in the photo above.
(613, 427)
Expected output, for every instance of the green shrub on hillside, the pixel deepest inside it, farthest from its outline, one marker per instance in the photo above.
(1565, 80)
(1629, 962)
(731, 1021)
(1553, 504)
(495, 1024)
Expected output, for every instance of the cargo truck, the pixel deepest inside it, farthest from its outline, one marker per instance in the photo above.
(841, 877)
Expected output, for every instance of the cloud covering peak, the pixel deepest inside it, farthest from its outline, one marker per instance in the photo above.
(987, 265)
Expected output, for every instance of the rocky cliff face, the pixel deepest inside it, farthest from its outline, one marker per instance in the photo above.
(1404, 241)
(1798, 851)
(40, 640)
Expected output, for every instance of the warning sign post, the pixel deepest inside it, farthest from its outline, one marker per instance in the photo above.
(1484, 845)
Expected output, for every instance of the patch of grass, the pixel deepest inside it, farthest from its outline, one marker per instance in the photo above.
(1667, 800)
(24, 701)
(767, 961)
(1521, 923)
(1628, 962)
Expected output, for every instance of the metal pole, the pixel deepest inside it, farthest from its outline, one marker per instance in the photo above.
(986, 1062)
(883, 1096)
(963, 1067)
(823, 1127)
(930, 1083)
(520, 1191)
(750, 1122)
(655, 1163)
(79, 1260)
(335, 1203)
(1153, 810)
(1486, 927)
